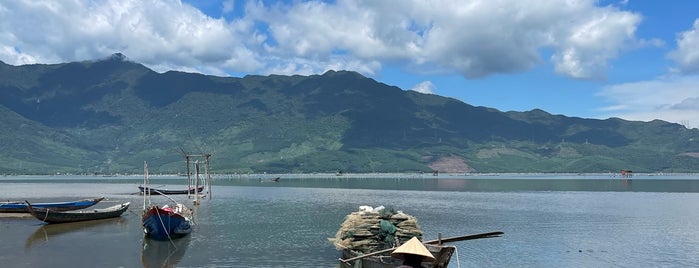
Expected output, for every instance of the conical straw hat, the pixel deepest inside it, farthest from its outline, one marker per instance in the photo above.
(415, 247)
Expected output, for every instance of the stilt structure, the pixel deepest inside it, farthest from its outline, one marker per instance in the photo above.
(197, 179)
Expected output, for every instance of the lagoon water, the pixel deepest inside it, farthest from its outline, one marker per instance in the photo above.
(548, 220)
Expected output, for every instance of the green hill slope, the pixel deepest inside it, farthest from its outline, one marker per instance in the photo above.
(110, 115)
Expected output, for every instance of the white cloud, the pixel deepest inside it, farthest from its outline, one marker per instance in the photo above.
(425, 87)
(588, 45)
(673, 99)
(228, 6)
(160, 34)
(473, 38)
(687, 53)
(11, 55)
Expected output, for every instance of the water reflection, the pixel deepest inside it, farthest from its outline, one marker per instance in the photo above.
(46, 232)
(163, 253)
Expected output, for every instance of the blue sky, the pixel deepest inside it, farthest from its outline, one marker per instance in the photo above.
(636, 60)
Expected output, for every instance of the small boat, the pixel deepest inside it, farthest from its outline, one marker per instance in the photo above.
(164, 223)
(155, 191)
(382, 259)
(442, 255)
(52, 216)
(21, 206)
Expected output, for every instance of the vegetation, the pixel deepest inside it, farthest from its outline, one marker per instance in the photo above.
(110, 115)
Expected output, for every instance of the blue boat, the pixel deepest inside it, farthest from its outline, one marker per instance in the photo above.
(21, 206)
(167, 222)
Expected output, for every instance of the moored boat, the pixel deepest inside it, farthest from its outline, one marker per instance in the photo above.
(156, 191)
(21, 206)
(350, 258)
(383, 259)
(52, 216)
(372, 237)
(164, 223)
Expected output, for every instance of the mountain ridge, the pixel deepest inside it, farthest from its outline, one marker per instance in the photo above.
(112, 114)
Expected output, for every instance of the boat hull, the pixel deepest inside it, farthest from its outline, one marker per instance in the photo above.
(154, 191)
(21, 206)
(442, 257)
(52, 216)
(160, 224)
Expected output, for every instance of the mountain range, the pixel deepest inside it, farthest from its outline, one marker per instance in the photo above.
(110, 115)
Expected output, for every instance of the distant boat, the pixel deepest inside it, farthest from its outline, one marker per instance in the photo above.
(52, 216)
(164, 223)
(21, 206)
(156, 191)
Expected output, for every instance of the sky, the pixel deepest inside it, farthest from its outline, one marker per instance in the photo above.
(635, 60)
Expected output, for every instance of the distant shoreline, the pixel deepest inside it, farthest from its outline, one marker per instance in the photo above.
(504, 175)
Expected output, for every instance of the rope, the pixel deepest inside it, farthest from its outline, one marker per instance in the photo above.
(458, 262)
(47, 215)
(129, 210)
(166, 231)
(173, 200)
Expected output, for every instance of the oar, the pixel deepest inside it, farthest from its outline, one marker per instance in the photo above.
(464, 237)
(444, 240)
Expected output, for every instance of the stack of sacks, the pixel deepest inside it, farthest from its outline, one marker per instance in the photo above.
(372, 229)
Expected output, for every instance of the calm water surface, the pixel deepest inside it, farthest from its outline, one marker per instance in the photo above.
(548, 220)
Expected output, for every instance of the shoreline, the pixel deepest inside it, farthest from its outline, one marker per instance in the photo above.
(504, 175)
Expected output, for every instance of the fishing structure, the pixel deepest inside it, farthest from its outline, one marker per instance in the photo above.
(197, 180)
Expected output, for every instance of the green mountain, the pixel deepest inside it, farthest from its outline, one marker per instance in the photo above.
(110, 115)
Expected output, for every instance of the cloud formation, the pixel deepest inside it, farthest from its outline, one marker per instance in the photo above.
(674, 99)
(425, 87)
(687, 53)
(472, 38)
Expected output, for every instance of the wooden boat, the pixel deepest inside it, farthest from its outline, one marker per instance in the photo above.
(155, 191)
(52, 216)
(164, 223)
(382, 258)
(441, 253)
(21, 206)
